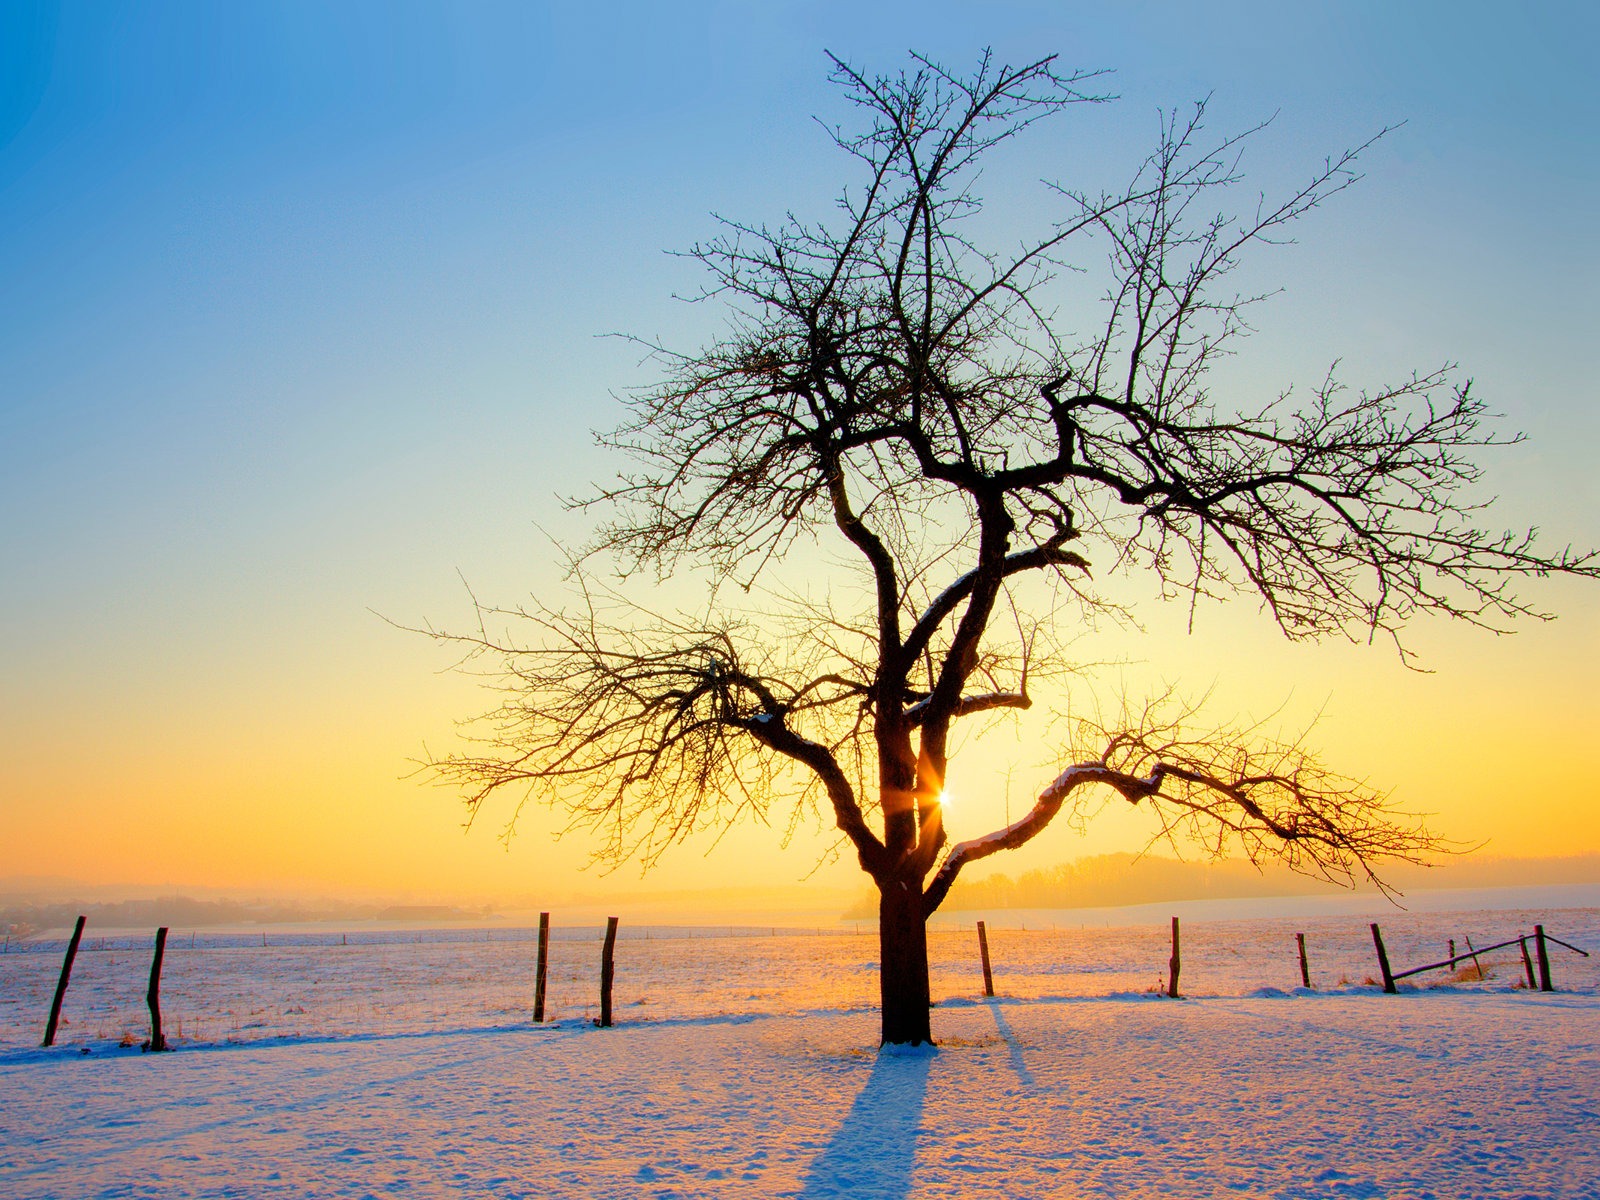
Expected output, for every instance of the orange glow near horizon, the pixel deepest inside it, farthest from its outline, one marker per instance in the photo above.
(293, 344)
(316, 800)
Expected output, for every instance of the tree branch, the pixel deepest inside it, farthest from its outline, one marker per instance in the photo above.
(1227, 791)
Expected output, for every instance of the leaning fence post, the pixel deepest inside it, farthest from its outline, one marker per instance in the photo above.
(152, 996)
(1544, 959)
(1305, 970)
(544, 963)
(607, 972)
(983, 951)
(1173, 963)
(1527, 963)
(1478, 966)
(61, 985)
(1383, 960)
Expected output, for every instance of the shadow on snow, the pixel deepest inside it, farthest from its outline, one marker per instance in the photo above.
(874, 1151)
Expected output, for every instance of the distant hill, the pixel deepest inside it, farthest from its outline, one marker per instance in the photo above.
(425, 912)
(1107, 880)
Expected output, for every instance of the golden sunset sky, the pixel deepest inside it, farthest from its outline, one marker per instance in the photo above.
(299, 317)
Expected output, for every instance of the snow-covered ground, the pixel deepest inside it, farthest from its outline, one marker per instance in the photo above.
(321, 982)
(747, 1066)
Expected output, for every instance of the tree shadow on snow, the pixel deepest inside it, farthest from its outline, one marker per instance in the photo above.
(874, 1150)
(1015, 1050)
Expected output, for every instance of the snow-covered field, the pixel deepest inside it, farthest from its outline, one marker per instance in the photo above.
(371, 1064)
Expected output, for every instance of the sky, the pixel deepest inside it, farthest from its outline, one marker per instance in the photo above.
(302, 317)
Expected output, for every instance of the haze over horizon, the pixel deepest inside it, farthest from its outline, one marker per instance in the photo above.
(299, 317)
(1116, 880)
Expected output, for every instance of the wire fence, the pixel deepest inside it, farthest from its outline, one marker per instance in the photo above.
(254, 985)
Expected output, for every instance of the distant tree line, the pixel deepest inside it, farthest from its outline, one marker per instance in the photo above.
(1117, 879)
(25, 919)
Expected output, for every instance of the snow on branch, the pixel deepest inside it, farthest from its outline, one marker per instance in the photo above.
(968, 705)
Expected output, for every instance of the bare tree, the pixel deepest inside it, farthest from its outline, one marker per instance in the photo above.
(891, 384)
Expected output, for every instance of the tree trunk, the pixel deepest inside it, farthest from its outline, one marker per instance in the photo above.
(903, 975)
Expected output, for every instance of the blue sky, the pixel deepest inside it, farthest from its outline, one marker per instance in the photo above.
(300, 305)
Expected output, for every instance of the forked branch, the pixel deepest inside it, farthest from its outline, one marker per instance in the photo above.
(648, 732)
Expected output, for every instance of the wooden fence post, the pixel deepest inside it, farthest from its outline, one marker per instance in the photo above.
(1527, 963)
(1383, 960)
(1544, 959)
(607, 972)
(61, 984)
(1305, 970)
(1476, 964)
(1173, 963)
(152, 996)
(544, 963)
(983, 951)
